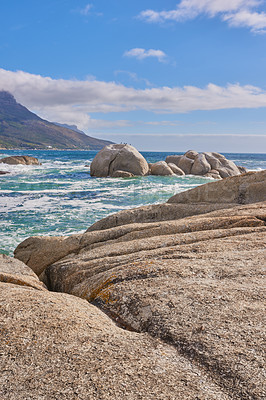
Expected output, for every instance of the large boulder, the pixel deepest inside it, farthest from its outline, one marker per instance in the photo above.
(192, 286)
(242, 189)
(185, 164)
(176, 170)
(161, 168)
(200, 165)
(118, 157)
(174, 159)
(57, 346)
(23, 160)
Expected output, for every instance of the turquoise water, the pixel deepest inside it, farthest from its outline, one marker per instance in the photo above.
(60, 197)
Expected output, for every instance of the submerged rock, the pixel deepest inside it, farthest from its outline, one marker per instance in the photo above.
(118, 157)
(24, 160)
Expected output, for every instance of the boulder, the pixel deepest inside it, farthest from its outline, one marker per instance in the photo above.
(213, 174)
(23, 160)
(58, 346)
(161, 168)
(118, 157)
(173, 159)
(222, 165)
(200, 165)
(4, 172)
(185, 164)
(176, 170)
(122, 174)
(242, 189)
(191, 154)
(193, 286)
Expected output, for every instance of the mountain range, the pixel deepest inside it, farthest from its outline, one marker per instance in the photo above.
(22, 129)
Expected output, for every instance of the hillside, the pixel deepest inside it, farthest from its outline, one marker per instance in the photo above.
(20, 128)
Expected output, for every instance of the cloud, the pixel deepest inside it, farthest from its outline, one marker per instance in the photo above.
(86, 10)
(71, 101)
(141, 54)
(238, 13)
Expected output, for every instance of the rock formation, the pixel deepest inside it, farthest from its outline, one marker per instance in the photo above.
(213, 165)
(24, 160)
(160, 302)
(124, 161)
(118, 157)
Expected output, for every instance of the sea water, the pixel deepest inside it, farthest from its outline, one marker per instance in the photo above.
(60, 197)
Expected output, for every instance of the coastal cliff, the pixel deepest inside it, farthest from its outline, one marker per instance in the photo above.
(159, 302)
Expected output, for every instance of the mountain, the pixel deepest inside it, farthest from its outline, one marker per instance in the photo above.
(20, 128)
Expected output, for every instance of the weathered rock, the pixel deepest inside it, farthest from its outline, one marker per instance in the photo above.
(24, 160)
(243, 189)
(222, 165)
(185, 164)
(200, 165)
(173, 159)
(58, 346)
(194, 284)
(122, 157)
(122, 174)
(161, 168)
(242, 170)
(191, 284)
(176, 170)
(191, 154)
(14, 271)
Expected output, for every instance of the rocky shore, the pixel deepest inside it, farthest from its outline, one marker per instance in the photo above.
(158, 302)
(124, 161)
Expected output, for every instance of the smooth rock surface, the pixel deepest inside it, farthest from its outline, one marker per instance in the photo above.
(200, 165)
(185, 164)
(242, 189)
(174, 159)
(122, 157)
(161, 168)
(24, 160)
(176, 170)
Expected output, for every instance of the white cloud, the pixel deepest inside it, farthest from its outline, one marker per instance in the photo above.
(71, 101)
(140, 54)
(237, 13)
(86, 10)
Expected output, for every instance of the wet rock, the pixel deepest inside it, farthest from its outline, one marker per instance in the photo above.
(23, 160)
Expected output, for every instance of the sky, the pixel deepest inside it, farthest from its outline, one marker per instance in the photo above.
(162, 75)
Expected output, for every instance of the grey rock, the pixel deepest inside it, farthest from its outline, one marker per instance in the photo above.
(200, 165)
(161, 168)
(176, 170)
(24, 160)
(185, 164)
(173, 159)
(122, 157)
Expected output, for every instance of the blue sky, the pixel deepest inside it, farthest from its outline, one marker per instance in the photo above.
(161, 75)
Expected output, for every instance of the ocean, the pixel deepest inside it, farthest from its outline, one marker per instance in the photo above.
(60, 197)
